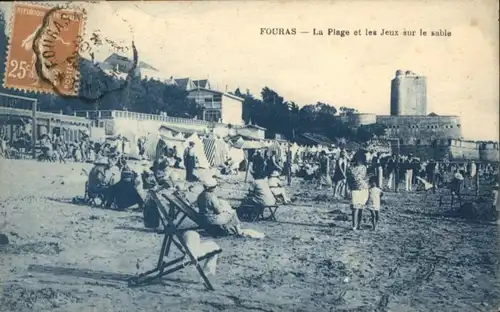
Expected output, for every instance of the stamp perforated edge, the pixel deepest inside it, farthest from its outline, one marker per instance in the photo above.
(82, 33)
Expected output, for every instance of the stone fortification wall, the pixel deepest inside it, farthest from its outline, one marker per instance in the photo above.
(421, 129)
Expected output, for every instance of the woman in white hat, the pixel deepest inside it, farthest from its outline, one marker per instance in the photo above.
(216, 211)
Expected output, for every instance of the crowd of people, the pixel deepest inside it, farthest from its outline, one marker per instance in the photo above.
(363, 176)
(360, 177)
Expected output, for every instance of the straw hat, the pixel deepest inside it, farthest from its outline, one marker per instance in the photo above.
(209, 183)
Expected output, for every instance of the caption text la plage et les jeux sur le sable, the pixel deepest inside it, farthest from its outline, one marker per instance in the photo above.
(355, 32)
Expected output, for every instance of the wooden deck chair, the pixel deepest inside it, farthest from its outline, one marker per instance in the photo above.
(248, 212)
(172, 235)
(186, 208)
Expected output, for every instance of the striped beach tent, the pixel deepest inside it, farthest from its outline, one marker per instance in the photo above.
(216, 150)
(275, 146)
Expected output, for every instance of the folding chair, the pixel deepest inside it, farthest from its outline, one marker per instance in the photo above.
(248, 212)
(172, 235)
(185, 207)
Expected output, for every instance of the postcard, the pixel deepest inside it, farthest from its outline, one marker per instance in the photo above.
(249, 156)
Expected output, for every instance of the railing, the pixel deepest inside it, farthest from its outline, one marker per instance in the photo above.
(140, 116)
(43, 115)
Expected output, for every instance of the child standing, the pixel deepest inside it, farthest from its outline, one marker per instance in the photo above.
(373, 203)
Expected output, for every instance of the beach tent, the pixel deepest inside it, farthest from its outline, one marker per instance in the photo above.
(199, 150)
(237, 155)
(274, 146)
(216, 150)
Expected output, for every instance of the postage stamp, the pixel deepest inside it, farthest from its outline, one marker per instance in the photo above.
(43, 49)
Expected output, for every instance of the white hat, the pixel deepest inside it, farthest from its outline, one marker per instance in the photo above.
(275, 174)
(458, 176)
(210, 182)
(102, 161)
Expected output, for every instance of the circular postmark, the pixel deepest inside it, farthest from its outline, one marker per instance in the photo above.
(59, 46)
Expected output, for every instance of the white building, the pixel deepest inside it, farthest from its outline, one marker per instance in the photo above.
(218, 106)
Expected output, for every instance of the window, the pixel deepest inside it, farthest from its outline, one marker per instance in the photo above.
(212, 115)
(208, 100)
(217, 98)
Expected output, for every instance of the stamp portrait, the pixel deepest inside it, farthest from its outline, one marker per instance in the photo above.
(43, 49)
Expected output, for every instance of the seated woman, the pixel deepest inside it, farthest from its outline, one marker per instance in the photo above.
(124, 194)
(162, 173)
(258, 197)
(277, 188)
(217, 212)
(99, 179)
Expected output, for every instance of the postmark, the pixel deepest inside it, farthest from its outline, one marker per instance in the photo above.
(43, 49)
(92, 83)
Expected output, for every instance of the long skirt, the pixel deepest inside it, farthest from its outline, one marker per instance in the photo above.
(229, 226)
(325, 180)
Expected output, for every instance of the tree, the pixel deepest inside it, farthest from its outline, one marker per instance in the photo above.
(346, 111)
(367, 132)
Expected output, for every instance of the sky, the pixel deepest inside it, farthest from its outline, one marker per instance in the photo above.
(221, 41)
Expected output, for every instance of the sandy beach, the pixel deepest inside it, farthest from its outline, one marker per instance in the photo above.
(65, 257)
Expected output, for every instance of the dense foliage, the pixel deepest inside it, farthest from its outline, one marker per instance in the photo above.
(270, 111)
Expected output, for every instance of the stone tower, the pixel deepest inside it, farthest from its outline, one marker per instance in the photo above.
(408, 94)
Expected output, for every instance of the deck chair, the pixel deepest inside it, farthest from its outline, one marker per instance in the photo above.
(186, 208)
(172, 235)
(248, 212)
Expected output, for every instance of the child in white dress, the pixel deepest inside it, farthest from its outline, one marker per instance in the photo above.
(373, 203)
